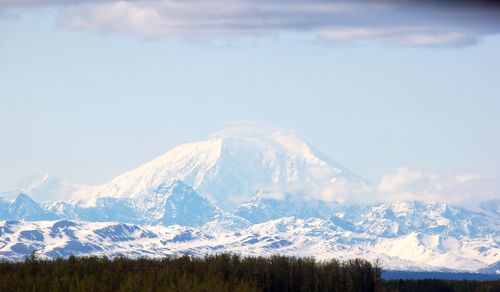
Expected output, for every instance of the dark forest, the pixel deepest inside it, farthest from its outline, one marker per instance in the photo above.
(224, 272)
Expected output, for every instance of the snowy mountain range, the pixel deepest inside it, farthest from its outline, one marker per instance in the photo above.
(250, 191)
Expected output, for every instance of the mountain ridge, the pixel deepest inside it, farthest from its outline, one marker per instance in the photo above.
(184, 202)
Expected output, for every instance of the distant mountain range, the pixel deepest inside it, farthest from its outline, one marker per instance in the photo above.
(251, 191)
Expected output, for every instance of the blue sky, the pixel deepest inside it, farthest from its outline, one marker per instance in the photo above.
(87, 101)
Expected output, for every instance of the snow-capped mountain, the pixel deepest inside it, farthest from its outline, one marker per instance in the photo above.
(405, 235)
(289, 235)
(251, 192)
(46, 188)
(262, 208)
(25, 208)
(229, 167)
(401, 218)
(172, 202)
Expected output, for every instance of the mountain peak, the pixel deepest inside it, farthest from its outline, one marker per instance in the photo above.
(249, 131)
(285, 139)
(174, 202)
(46, 187)
(24, 198)
(24, 207)
(230, 166)
(172, 186)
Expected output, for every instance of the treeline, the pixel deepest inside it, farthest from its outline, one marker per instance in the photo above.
(224, 272)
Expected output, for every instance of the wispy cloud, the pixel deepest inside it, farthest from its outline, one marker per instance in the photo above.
(413, 23)
(461, 189)
(411, 36)
(411, 185)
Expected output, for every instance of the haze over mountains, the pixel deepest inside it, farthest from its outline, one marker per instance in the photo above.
(251, 191)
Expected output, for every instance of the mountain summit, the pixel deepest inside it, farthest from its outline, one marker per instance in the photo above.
(230, 166)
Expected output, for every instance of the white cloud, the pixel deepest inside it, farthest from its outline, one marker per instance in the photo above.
(402, 22)
(463, 189)
(410, 22)
(408, 36)
(410, 185)
(403, 180)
